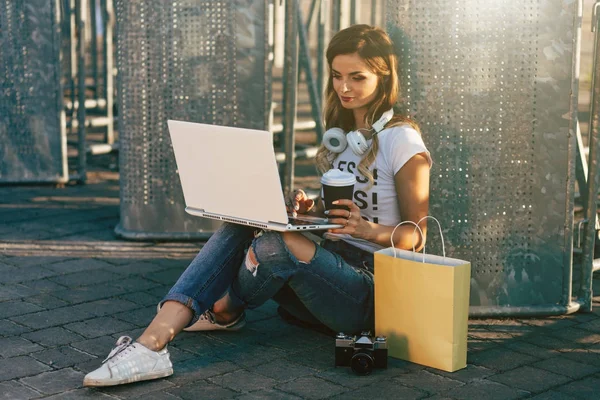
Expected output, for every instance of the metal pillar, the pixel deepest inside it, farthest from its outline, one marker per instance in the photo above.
(81, 89)
(290, 84)
(587, 264)
(304, 63)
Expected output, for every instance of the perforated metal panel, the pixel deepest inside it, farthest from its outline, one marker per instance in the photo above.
(199, 61)
(32, 142)
(490, 84)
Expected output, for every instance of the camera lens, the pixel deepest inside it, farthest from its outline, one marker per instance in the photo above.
(362, 363)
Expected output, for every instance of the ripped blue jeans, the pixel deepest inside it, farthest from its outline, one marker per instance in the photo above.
(334, 288)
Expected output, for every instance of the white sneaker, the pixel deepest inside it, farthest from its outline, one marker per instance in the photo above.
(207, 322)
(130, 362)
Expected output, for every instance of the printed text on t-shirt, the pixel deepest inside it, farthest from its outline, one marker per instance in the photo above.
(361, 198)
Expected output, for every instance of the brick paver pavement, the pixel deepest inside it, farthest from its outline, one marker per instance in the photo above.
(69, 289)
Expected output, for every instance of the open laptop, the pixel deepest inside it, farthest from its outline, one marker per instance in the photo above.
(230, 174)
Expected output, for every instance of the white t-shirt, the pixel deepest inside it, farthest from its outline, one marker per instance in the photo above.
(379, 204)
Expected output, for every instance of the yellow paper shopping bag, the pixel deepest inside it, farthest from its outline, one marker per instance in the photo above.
(422, 306)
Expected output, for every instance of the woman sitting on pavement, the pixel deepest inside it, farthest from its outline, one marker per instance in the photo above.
(328, 284)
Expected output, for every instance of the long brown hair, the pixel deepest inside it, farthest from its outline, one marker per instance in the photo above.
(374, 46)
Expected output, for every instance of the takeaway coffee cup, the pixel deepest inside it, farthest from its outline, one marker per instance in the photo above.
(337, 185)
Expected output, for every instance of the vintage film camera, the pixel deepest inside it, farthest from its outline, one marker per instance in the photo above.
(362, 354)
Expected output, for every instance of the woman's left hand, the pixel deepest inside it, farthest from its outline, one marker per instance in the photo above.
(354, 224)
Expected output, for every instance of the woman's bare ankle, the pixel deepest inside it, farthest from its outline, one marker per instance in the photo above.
(150, 342)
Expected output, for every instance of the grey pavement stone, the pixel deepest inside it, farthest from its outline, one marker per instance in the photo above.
(141, 298)
(55, 381)
(88, 293)
(85, 278)
(180, 262)
(530, 349)
(80, 394)
(200, 344)
(134, 333)
(271, 326)
(311, 388)
(139, 317)
(139, 284)
(161, 396)
(243, 381)
(13, 390)
(553, 395)
(99, 346)
(484, 334)
(320, 359)
(475, 345)
(158, 291)
(284, 371)
(583, 389)
(135, 268)
(500, 358)
(15, 291)
(31, 261)
(179, 356)
(202, 389)
(77, 265)
(268, 394)
(9, 328)
(302, 339)
(168, 276)
(530, 379)
(485, 389)
(468, 374)
(550, 323)
(12, 308)
(43, 286)
(428, 382)
(62, 357)
(383, 390)
(23, 274)
(199, 368)
(55, 317)
(242, 338)
(17, 346)
(18, 367)
(46, 301)
(590, 355)
(104, 307)
(249, 357)
(344, 376)
(593, 325)
(100, 326)
(576, 335)
(118, 260)
(567, 367)
(27, 235)
(138, 390)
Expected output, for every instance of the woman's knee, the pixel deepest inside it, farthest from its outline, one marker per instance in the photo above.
(276, 247)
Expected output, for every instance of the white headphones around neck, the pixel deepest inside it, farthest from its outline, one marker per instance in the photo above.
(336, 140)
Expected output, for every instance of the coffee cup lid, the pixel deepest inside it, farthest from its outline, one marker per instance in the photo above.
(338, 178)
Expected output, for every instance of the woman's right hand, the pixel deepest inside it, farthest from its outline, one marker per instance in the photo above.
(297, 202)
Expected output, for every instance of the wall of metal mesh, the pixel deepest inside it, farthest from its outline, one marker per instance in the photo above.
(32, 142)
(191, 60)
(490, 84)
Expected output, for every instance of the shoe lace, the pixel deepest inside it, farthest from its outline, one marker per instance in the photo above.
(123, 343)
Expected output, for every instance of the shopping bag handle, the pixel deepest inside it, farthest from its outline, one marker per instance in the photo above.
(441, 234)
(417, 227)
